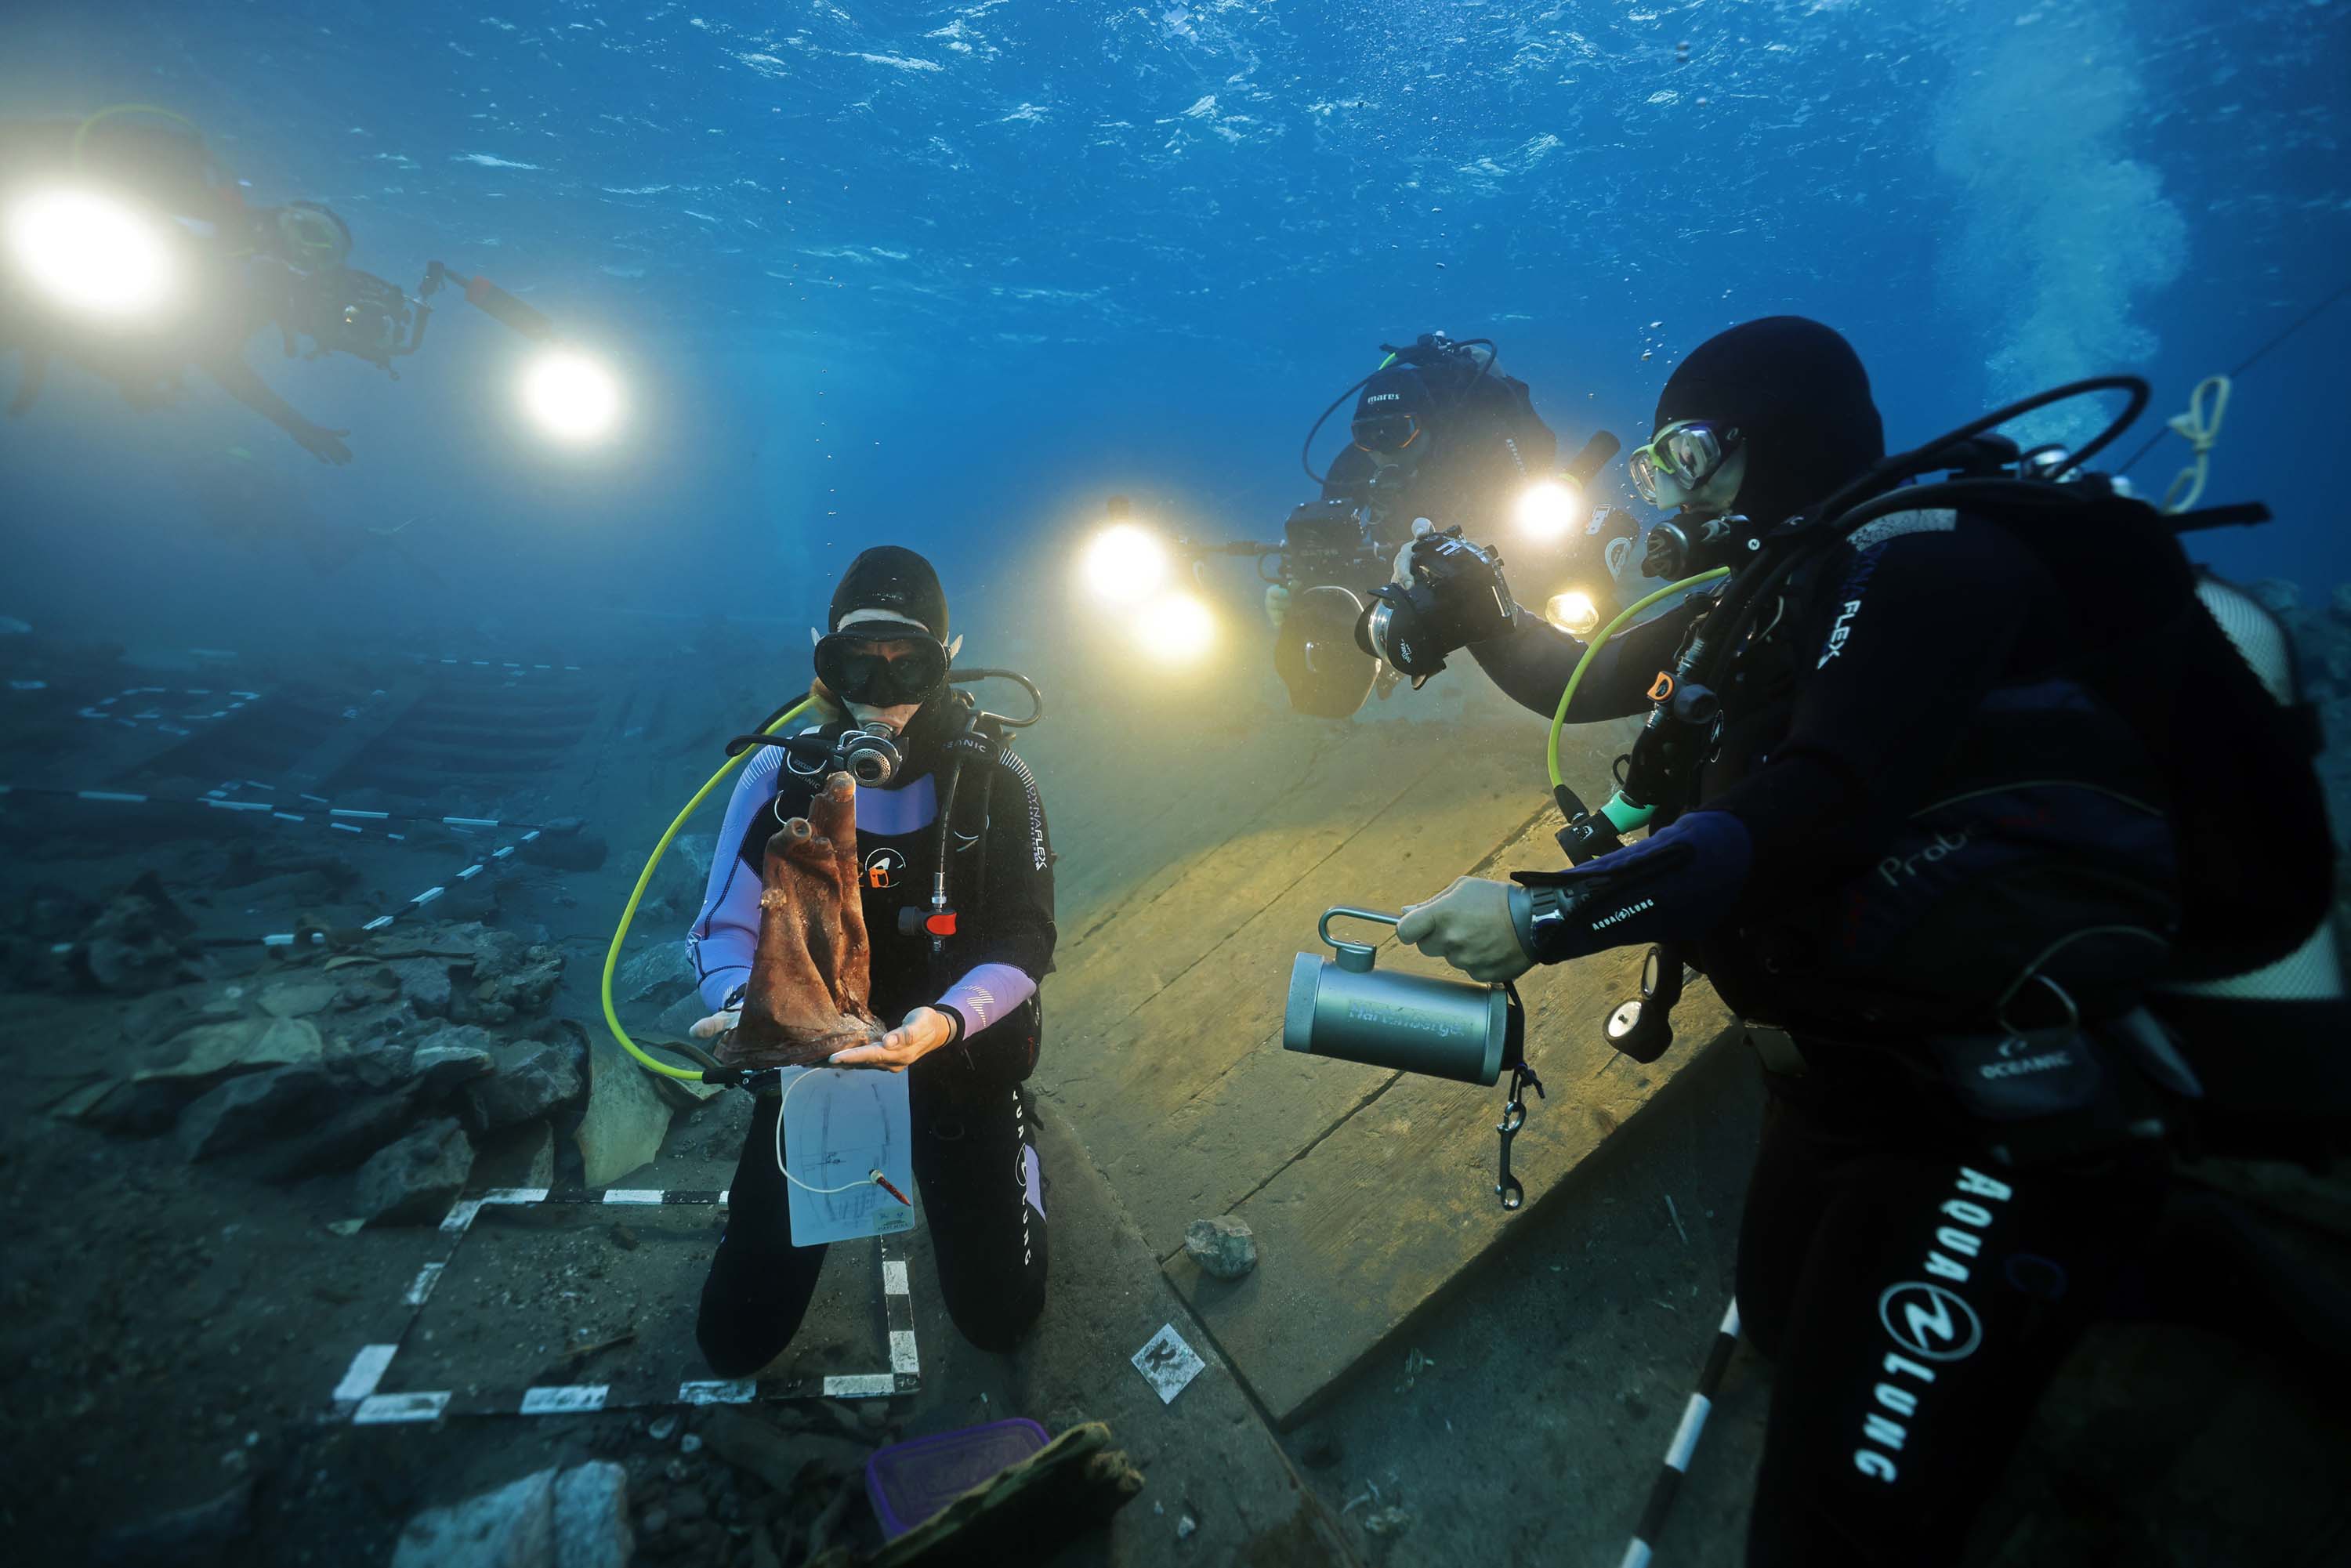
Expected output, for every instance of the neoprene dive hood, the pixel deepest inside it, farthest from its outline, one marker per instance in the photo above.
(1798, 397)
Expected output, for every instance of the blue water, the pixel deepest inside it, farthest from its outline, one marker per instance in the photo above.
(949, 274)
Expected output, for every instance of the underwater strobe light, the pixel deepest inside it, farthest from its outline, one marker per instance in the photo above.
(572, 396)
(1176, 628)
(1126, 564)
(1550, 509)
(1125, 570)
(92, 254)
(1573, 613)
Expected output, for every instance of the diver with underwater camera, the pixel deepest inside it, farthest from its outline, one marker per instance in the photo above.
(1945, 784)
(1440, 435)
(1440, 438)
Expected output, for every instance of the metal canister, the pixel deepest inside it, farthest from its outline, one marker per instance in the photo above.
(1342, 1007)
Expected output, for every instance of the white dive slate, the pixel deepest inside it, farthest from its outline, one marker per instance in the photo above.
(842, 1123)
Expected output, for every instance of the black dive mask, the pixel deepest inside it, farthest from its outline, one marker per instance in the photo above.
(850, 665)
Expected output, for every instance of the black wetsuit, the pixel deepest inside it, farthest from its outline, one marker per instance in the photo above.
(1486, 443)
(1926, 793)
(976, 1161)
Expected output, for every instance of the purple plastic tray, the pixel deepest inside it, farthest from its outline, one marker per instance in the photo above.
(912, 1480)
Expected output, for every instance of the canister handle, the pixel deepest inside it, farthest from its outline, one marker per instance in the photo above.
(1353, 957)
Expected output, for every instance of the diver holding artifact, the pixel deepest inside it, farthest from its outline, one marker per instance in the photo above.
(1935, 809)
(879, 800)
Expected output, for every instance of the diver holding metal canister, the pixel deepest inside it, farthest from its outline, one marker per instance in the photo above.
(1945, 785)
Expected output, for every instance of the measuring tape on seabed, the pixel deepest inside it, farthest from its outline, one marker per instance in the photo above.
(227, 655)
(358, 1398)
(319, 938)
(489, 664)
(341, 819)
(103, 708)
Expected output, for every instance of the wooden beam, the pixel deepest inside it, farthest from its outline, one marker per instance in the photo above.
(1024, 1512)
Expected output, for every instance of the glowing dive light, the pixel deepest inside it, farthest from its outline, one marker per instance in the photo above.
(1550, 510)
(1176, 628)
(1573, 613)
(1126, 564)
(92, 254)
(571, 395)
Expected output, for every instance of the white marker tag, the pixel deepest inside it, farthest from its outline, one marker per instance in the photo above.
(559, 1401)
(734, 1391)
(871, 1385)
(366, 1370)
(1167, 1364)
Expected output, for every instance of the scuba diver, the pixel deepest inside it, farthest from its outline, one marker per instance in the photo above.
(1440, 433)
(1439, 437)
(1950, 786)
(114, 181)
(309, 289)
(970, 1019)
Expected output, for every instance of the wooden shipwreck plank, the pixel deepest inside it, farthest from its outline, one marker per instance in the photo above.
(1198, 851)
(342, 744)
(1394, 1198)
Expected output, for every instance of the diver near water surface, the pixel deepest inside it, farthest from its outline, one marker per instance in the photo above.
(1953, 823)
(968, 1014)
(113, 187)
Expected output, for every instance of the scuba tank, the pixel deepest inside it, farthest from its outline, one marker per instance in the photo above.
(2267, 1042)
(2202, 678)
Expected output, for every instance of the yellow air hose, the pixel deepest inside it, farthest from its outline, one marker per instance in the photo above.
(644, 879)
(1559, 719)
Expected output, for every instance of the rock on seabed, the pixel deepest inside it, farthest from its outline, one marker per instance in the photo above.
(1224, 1247)
(577, 1518)
(415, 1181)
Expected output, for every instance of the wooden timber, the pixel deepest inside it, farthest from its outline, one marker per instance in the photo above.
(1199, 849)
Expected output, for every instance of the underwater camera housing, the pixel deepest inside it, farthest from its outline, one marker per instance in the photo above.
(1325, 545)
(1455, 596)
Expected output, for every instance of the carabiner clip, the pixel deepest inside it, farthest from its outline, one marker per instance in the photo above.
(1514, 1116)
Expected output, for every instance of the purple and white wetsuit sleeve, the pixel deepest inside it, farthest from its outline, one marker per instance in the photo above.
(987, 994)
(727, 933)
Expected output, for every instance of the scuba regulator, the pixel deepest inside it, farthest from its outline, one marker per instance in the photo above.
(871, 753)
(868, 753)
